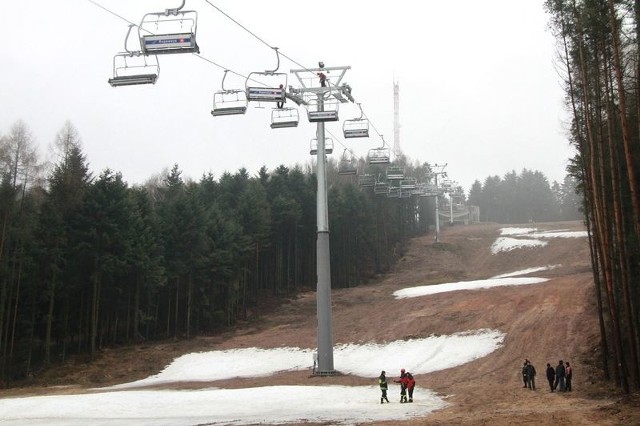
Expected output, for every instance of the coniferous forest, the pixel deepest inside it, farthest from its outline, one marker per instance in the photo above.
(598, 57)
(88, 262)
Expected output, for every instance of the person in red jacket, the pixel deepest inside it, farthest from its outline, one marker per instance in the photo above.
(323, 79)
(411, 383)
(403, 385)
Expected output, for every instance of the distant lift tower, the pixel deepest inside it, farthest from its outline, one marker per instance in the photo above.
(396, 118)
(322, 107)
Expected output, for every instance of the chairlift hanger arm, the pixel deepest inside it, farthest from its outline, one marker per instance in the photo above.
(277, 64)
(223, 78)
(174, 12)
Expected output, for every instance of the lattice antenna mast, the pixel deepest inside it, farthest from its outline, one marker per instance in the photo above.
(396, 119)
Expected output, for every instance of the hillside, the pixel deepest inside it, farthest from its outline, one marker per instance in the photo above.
(543, 322)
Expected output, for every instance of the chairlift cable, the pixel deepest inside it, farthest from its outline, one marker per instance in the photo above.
(223, 68)
(200, 56)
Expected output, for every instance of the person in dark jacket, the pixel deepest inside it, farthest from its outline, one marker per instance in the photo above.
(524, 373)
(382, 381)
(531, 376)
(551, 376)
(403, 385)
(568, 375)
(411, 384)
(560, 375)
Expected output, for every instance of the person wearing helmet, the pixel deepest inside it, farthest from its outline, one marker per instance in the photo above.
(382, 381)
(403, 385)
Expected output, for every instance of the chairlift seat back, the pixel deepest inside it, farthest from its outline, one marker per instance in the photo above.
(168, 32)
(262, 94)
(159, 44)
(322, 116)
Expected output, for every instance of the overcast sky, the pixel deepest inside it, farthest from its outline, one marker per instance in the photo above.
(478, 86)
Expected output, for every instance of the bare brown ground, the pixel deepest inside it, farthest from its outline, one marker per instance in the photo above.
(543, 322)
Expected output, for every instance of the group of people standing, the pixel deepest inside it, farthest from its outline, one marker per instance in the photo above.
(407, 385)
(559, 377)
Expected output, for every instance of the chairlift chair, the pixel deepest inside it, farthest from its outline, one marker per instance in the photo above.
(273, 90)
(379, 156)
(420, 189)
(367, 180)
(328, 146)
(324, 111)
(431, 191)
(229, 101)
(394, 192)
(357, 127)
(347, 165)
(171, 31)
(131, 69)
(381, 188)
(284, 117)
(408, 183)
(395, 173)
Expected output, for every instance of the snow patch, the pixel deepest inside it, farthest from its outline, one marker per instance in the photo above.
(426, 290)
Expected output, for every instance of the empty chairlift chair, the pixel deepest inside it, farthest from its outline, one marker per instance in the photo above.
(284, 117)
(171, 31)
(229, 102)
(408, 183)
(367, 180)
(394, 192)
(357, 127)
(379, 156)
(347, 165)
(131, 68)
(381, 188)
(328, 146)
(420, 189)
(324, 111)
(395, 173)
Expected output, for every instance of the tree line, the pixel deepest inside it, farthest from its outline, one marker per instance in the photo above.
(526, 197)
(600, 64)
(88, 261)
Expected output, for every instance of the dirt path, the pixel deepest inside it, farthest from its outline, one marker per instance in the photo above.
(543, 322)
